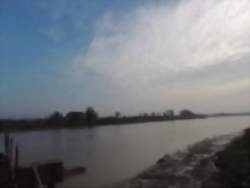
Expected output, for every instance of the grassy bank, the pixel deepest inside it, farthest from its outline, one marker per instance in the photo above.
(234, 163)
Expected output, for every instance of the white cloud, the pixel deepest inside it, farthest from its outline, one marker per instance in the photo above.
(139, 52)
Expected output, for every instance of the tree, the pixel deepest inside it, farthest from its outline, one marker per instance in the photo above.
(55, 118)
(117, 114)
(75, 118)
(169, 114)
(186, 114)
(91, 115)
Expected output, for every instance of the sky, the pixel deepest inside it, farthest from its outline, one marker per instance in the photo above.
(123, 55)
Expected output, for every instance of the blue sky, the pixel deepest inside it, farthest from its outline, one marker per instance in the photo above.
(122, 55)
(38, 39)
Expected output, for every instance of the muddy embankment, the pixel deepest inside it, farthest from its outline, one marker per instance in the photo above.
(193, 167)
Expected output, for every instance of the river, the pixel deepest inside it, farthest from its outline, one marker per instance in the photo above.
(115, 153)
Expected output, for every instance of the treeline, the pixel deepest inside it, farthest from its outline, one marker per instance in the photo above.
(148, 117)
(90, 117)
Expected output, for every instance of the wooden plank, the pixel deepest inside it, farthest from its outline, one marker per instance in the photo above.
(51, 172)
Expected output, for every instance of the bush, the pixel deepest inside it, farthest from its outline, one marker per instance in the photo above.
(234, 163)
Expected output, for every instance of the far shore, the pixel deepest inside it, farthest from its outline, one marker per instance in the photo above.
(16, 125)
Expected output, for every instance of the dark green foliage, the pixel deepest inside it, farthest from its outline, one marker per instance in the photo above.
(88, 118)
(55, 119)
(75, 118)
(186, 114)
(91, 115)
(117, 114)
(234, 163)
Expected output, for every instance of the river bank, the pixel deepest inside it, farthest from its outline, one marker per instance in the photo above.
(210, 163)
(89, 119)
(42, 124)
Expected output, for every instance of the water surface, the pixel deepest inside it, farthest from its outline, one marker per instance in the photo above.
(114, 153)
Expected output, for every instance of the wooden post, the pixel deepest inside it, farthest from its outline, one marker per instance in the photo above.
(38, 178)
(6, 144)
(17, 158)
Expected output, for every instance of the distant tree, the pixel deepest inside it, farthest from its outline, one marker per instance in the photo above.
(158, 114)
(169, 114)
(75, 118)
(55, 118)
(117, 114)
(91, 115)
(140, 115)
(186, 114)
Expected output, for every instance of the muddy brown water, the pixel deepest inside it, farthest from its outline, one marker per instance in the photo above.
(114, 153)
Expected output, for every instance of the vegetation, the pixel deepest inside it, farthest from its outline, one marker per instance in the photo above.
(91, 118)
(234, 163)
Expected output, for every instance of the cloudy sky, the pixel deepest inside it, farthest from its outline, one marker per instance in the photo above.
(124, 55)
